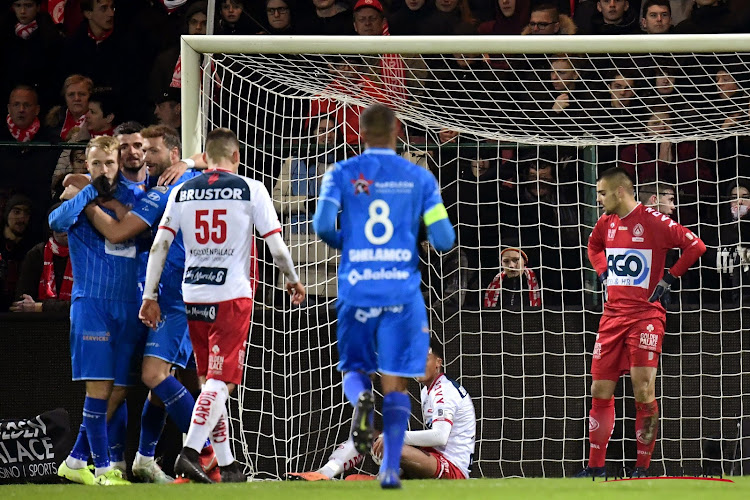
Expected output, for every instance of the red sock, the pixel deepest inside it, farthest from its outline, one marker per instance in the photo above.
(601, 424)
(646, 427)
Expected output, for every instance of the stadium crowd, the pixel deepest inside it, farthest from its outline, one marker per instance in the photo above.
(76, 69)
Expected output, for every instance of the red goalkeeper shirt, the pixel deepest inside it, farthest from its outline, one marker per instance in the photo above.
(632, 250)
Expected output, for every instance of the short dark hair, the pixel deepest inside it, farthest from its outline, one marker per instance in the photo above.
(554, 9)
(651, 3)
(221, 144)
(167, 133)
(131, 127)
(617, 176)
(436, 348)
(106, 100)
(378, 120)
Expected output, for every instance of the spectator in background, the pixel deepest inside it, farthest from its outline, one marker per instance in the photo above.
(445, 278)
(612, 17)
(167, 68)
(72, 161)
(233, 20)
(709, 16)
(100, 118)
(447, 17)
(511, 17)
(46, 279)
(674, 164)
(733, 254)
(514, 288)
(15, 242)
(30, 51)
(545, 19)
(65, 121)
(279, 18)
(26, 170)
(548, 225)
(296, 189)
(408, 19)
(658, 196)
(330, 18)
(168, 109)
(657, 17)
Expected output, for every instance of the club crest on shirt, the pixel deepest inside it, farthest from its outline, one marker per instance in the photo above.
(362, 185)
(638, 233)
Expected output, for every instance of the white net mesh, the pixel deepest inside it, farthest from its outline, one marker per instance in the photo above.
(516, 143)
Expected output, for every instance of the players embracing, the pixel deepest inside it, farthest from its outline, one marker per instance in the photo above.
(627, 248)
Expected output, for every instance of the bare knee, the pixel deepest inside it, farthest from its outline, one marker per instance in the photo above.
(643, 392)
(154, 371)
(603, 389)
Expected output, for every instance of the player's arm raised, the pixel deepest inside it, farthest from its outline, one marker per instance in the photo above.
(116, 231)
(64, 216)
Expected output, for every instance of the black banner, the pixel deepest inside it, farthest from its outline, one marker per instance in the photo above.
(32, 449)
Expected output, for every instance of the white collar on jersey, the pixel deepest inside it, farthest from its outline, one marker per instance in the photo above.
(378, 151)
(636, 206)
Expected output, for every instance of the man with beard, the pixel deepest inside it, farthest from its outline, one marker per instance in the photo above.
(14, 243)
(133, 169)
(103, 313)
(168, 345)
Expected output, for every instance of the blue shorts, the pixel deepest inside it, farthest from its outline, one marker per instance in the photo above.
(170, 341)
(104, 340)
(392, 340)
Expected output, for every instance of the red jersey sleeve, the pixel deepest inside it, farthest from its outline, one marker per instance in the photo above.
(597, 256)
(691, 245)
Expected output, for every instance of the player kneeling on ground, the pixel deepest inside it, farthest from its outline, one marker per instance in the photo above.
(443, 451)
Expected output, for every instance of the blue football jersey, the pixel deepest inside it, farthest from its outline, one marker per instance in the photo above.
(101, 269)
(382, 198)
(150, 208)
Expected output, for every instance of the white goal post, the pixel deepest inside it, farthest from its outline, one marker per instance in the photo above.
(516, 130)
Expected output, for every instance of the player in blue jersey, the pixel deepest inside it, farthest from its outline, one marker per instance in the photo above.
(168, 345)
(382, 320)
(103, 313)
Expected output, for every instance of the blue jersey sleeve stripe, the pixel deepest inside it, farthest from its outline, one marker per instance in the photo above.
(148, 223)
(332, 200)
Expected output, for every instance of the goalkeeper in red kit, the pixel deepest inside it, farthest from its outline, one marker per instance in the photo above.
(627, 249)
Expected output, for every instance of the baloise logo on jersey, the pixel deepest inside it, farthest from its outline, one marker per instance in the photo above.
(628, 267)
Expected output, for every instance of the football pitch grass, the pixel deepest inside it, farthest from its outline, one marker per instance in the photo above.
(500, 489)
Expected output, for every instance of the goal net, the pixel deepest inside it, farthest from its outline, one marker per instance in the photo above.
(516, 130)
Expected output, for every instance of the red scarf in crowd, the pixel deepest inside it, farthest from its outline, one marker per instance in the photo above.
(492, 295)
(99, 39)
(23, 134)
(56, 9)
(47, 287)
(172, 5)
(25, 30)
(71, 123)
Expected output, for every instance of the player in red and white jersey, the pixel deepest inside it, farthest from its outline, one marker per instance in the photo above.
(444, 451)
(627, 248)
(216, 212)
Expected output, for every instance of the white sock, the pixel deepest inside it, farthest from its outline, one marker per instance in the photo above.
(343, 458)
(120, 465)
(102, 470)
(206, 413)
(220, 441)
(75, 463)
(141, 459)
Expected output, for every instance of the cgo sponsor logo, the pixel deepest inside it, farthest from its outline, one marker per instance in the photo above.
(628, 267)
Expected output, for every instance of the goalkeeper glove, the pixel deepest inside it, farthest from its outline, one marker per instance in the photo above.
(662, 287)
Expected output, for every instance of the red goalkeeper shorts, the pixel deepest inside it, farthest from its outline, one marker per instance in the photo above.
(625, 342)
(218, 333)
(445, 468)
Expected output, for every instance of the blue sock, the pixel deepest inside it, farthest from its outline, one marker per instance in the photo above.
(117, 432)
(354, 384)
(177, 400)
(81, 449)
(396, 411)
(153, 419)
(95, 421)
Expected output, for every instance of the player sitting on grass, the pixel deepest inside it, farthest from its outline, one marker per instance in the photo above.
(443, 451)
